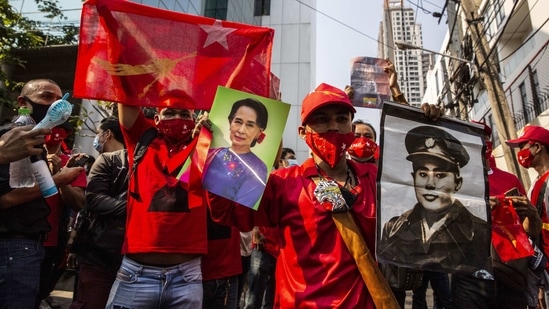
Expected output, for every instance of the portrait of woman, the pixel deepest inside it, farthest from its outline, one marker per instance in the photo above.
(235, 172)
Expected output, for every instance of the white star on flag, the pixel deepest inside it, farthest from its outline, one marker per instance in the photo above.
(217, 33)
(344, 146)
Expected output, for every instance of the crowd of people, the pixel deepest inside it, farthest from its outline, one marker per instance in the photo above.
(140, 243)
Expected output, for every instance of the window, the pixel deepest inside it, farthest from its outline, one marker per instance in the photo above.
(216, 9)
(536, 82)
(524, 102)
(500, 12)
(262, 7)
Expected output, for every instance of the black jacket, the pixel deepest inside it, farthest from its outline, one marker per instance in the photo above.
(461, 244)
(106, 198)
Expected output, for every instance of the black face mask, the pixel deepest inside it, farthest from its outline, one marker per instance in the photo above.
(39, 111)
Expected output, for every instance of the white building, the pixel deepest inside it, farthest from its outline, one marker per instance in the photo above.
(518, 38)
(399, 25)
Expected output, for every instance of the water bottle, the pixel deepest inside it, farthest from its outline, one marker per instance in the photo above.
(21, 175)
(43, 177)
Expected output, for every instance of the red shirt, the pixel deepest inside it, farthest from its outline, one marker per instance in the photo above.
(314, 268)
(271, 240)
(56, 206)
(152, 226)
(223, 258)
(500, 182)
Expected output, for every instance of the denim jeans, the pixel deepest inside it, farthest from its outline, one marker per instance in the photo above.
(261, 280)
(141, 286)
(20, 261)
(220, 293)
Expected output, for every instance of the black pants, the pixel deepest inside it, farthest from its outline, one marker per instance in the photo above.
(471, 293)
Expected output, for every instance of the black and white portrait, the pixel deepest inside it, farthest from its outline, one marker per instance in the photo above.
(432, 192)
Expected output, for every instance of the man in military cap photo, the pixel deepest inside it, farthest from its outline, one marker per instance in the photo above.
(439, 232)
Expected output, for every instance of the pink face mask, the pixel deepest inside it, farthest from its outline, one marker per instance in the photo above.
(329, 146)
(362, 148)
(176, 129)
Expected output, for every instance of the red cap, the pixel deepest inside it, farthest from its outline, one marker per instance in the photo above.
(487, 129)
(531, 133)
(324, 95)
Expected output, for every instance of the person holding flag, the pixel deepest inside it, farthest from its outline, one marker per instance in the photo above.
(165, 238)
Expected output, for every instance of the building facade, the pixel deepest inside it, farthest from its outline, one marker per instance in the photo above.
(399, 25)
(517, 38)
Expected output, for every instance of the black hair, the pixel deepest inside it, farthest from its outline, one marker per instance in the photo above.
(149, 112)
(111, 123)
(260, 110)
(360, 121)
(285, 151)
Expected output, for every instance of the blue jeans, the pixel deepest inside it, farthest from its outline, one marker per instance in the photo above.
(261, 280)
(20, 261)
(220, 293)
(141, 286)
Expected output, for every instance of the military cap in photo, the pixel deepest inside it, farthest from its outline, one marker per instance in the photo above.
(430, 141)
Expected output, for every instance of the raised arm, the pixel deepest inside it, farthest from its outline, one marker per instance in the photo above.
(127, 114)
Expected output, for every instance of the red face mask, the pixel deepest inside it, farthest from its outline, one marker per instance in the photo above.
(362, 148)
(176, 129)
(329, 146)
(56, 137)
(525, 157)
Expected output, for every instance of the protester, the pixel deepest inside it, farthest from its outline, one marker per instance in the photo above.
(261, 279)
(287, 158)
(364, 147)
(245, 256)
(534, 153)
(221, 267)
(164, 238)
(23, 211)
(315, 268)
(98, 250)
(504, 286)
(72, 200)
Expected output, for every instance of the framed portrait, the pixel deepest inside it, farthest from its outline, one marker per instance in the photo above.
(247, 132)
(432, 210)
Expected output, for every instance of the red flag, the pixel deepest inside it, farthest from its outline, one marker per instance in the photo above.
(508, 236)
(140, 55)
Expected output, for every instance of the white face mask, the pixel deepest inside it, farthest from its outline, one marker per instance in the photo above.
(292, 162)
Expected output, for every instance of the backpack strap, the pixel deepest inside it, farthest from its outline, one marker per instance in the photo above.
(138, 153)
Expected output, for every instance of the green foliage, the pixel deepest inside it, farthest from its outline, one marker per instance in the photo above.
(20, 32)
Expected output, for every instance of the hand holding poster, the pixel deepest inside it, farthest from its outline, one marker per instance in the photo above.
(442, 223)
(247, 131)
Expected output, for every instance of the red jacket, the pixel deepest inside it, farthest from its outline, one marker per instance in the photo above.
(314, 268)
